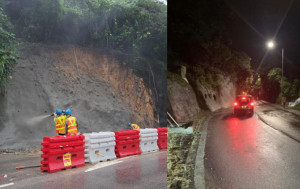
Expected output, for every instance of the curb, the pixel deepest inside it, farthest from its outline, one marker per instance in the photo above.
(199, 174)
(284, 109)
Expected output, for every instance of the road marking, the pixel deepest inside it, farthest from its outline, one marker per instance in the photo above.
(4, 185)
(101, 165)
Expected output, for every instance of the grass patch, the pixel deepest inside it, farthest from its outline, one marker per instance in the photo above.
(297, 107)
(182, 151)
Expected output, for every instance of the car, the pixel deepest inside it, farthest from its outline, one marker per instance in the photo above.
(243, 104)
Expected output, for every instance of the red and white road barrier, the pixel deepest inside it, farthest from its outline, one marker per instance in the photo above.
(65, 152)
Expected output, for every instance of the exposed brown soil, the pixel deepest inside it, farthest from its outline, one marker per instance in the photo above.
(101, 92)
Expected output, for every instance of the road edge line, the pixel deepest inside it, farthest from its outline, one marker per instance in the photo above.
(5, 185)
(102, 165)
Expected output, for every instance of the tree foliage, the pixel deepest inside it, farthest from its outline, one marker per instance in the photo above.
(134, 31)
(295, 89)
(132, 27)
(275, 75)
(279, 86)
(7, 55)
(197, 38)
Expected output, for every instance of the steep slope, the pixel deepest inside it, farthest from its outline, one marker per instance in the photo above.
(101, 92)
(216, 99)
(187, 98)
(182, 102)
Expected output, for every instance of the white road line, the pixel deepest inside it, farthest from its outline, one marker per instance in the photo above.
(4, 185)
(101, 165)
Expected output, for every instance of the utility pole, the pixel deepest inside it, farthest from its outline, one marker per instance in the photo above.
(282, 55)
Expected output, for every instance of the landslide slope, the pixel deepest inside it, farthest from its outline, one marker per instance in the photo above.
(102, 93)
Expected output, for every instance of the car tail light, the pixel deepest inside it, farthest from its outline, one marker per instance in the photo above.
(235, 103)
(244, 98)
(251, 103)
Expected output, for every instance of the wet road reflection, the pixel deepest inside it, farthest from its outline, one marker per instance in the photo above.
(244, 152)
(141, 171)
(128, 173)
(242, 135)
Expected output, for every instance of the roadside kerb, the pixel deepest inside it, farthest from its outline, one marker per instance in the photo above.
(182, 153)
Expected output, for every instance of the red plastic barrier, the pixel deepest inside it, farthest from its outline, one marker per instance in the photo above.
(162, 141)
(127, 143)
(62, 152)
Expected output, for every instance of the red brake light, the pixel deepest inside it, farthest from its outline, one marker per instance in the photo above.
(252, 103)
(244, 98)
(235, 103)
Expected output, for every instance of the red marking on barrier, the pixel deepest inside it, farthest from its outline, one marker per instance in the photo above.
(127, 143)
(62, 152)
(127, 132)
(162, 141)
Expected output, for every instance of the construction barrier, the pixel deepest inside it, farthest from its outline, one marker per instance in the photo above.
(162, 141)
(62, 152)
(148, 139)
(99, 147)
(127, 143)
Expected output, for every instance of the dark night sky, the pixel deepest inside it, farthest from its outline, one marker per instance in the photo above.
(265, 17)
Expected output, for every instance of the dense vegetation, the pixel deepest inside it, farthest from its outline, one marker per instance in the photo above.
(133, 31)
(7, 55)
(198, 39)
(203, 45)
(275, 86)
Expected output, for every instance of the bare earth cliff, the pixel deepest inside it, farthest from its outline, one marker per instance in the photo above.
(102, 93)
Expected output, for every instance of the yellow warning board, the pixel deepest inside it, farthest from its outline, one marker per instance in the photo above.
(67, 159)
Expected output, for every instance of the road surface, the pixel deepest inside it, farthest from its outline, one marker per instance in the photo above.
(262, 151)
(148, 170)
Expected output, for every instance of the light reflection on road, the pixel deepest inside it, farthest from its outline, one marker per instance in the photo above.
(244, 152)
(128, 173)
(242, 137)
(141, 171)
(243, 134)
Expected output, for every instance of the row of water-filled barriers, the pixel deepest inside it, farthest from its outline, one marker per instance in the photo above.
(65, 152)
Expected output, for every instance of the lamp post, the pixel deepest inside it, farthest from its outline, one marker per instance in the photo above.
(282, 54)
(270, 45)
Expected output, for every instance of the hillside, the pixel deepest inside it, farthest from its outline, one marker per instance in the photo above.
(187, 98)
(102, 93)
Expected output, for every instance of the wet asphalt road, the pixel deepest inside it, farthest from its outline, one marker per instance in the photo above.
(148, 170)
(262, 151)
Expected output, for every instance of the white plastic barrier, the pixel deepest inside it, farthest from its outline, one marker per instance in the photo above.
(148, 139)
(99, 147)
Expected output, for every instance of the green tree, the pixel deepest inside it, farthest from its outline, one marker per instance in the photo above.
(36, 20)
(286, 88)
(295, 88)
(7, 54)
(275, 75)
(134, 31)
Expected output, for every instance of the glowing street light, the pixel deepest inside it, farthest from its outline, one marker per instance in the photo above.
(270, 44)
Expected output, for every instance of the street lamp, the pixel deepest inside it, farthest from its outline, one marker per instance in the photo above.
(270, 45)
